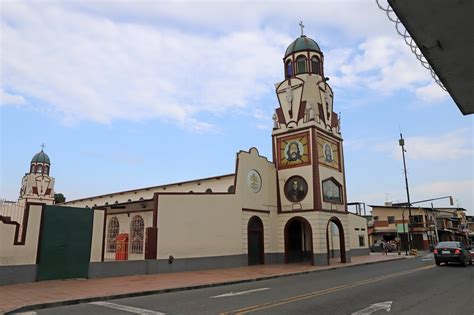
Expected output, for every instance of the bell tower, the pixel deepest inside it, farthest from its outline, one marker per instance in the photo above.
(307, 142)
(37, 185)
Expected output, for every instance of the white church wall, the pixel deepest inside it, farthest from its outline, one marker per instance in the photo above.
(198, 226)
(216, 184)
(265, 198)
(357, 227)
(21, 254)
(97, 235)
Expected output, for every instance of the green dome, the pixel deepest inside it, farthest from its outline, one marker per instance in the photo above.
(40, 157)
(302, 43)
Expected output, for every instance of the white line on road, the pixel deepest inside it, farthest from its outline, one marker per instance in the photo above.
(26, 313)
(239, 293)
(387, 306)
(125, 308)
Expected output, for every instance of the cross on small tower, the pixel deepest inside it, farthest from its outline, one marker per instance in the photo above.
(302, 26)
(42, 146)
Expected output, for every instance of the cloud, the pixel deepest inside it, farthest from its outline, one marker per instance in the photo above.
(11, 99)
(379, 63)
(85, 67)
(460, 190)
(453, 145)
(431, 93)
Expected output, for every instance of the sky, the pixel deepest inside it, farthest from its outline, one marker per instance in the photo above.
(130, 94)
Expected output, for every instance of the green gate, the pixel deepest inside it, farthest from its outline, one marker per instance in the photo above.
(65, 243)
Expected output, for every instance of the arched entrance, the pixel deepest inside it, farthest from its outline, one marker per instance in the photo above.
(255, 241)
(298, 241)
(335, 232)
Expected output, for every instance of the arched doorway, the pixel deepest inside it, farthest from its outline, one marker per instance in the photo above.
(335, 233)
(255, 241)
(298, 241)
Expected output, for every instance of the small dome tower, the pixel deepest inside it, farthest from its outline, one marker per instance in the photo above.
(37, 185)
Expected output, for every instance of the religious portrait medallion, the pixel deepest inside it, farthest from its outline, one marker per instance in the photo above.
(328, 152)
(294, 151)
(331, 191)
(254, 181)
(296, 188)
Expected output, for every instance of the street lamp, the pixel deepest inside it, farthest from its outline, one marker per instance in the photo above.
(401, 142)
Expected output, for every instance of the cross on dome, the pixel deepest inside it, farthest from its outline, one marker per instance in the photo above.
(302, 26)
(43, 146)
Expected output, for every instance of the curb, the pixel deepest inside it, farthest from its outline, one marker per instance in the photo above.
(178, 289)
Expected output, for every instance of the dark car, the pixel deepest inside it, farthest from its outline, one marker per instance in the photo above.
(452, 252)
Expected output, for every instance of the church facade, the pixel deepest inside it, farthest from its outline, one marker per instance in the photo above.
(290, 209)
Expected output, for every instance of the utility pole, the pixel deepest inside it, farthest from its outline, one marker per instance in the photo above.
(401, 142)
(435, 223)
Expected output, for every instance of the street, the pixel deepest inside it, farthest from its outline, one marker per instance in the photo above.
(409, 286)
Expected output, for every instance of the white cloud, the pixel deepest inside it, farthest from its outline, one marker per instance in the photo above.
(379, 63)
(89, 68)
(453, 145)
(11, 99)
(431, 93)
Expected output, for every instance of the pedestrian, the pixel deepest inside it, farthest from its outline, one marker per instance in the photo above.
(385, 248)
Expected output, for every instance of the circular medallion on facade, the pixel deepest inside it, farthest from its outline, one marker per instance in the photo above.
(296, 188)
(254, 181)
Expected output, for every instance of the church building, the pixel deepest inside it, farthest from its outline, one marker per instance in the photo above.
(292, 208)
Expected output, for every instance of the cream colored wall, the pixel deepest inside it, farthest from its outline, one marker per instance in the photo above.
(198, 226)
(21, 254)
(356, 221)
(325, 173)
(266, 198)
(217, 185)
(97, 235)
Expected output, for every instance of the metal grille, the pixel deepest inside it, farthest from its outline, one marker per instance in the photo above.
(112, 231)
(137, 227)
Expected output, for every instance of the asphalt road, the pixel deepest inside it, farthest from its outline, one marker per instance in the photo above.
(409, 286)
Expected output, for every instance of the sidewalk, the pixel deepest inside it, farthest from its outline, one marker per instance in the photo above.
(63, 292)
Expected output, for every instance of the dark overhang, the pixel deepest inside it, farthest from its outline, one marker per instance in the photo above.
(444, 32)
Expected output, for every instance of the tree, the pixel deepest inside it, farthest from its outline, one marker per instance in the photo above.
(59, 198)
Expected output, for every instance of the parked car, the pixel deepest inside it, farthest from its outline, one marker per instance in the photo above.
(378, 246)
(452, 252)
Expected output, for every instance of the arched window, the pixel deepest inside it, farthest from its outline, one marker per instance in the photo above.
(208, 191)
(46, 170)
(231, 189)
(39, 169)
(315, 65)
(32, 168)
(137, 229)
(112, 231)
(289, 69)
(300, 65)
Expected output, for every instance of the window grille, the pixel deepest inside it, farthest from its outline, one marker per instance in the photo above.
(137, 227)
(112, 231)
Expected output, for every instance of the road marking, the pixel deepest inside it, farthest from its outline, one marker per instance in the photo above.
(323, 292)
(26, 313)
(239, 293)
(125, 308)
(387, 306)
